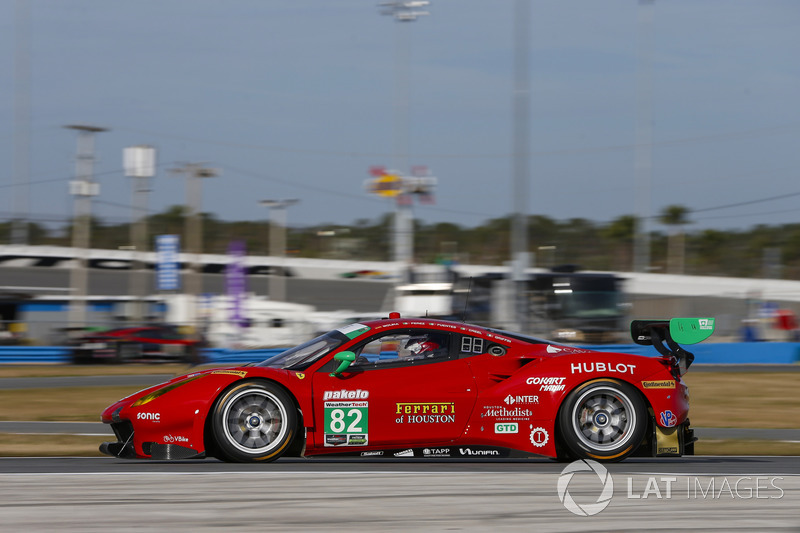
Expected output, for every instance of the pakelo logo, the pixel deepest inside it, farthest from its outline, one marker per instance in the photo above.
(586, 509)
(668, 419)
(156, 417)
(539, 437)
(343, 394)
(506, 427)
(511, 400)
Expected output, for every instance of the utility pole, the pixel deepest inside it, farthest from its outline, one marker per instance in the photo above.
(643, 164)
(519, 223)
(403, 12)
(20, 233)
(277, 246)
(194, 173)
(83, 188)
(140, 164)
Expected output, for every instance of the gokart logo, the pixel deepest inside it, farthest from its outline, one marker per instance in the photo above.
(595, 469)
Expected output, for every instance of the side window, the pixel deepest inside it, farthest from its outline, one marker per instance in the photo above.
(405, 346)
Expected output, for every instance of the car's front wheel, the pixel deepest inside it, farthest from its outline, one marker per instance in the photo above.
(603, 419)
(253, 421)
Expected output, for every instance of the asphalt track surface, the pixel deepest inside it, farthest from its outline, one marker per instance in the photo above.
(686, 494)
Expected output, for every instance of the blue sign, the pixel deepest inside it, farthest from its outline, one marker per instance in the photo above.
(167, 267)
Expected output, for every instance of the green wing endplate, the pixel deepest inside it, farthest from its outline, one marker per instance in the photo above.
(672, 332)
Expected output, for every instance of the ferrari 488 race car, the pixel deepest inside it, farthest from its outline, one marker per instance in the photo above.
(424, 388)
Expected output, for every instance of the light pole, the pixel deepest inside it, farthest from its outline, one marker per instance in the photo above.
(403, 12)
(193, 230)
(140, 164)
(277, 245)
(83, 188)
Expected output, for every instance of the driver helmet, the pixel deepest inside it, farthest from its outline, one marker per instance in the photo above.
(420, 344)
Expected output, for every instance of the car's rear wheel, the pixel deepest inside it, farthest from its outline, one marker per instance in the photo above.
(603, 419)
(253, 421)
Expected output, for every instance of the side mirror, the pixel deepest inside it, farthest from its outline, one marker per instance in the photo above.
(345, 359)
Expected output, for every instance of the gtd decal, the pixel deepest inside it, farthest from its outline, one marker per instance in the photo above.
(343, 394)
(148, 416)
(506, 427)
(620, 368)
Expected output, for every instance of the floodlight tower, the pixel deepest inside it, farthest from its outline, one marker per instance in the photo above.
(277, 245)
(140, 164)
(403, 11)
(83, 188)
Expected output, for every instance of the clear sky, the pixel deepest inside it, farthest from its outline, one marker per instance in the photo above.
(298, 98)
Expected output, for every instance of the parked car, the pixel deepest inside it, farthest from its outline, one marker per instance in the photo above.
(155, 342)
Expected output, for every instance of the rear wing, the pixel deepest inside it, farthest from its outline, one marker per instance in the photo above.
(672, 332)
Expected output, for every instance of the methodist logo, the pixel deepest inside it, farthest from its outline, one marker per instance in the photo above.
(592, 467)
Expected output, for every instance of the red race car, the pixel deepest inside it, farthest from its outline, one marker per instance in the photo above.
(163, 342)
(424, 388)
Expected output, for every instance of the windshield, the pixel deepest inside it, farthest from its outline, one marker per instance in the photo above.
(303, 356)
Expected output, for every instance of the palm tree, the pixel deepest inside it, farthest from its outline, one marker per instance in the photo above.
(675, 216)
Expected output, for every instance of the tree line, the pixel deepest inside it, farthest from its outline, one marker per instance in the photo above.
(761, 251)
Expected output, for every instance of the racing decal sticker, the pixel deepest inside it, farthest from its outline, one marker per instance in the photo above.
(539, 437)
(506, 427)
(346, 423)
(662, 384)
(668, 419)
(425, 413)
(479, 452)
(300, 375)
(405, 453)
(511, 400)
(345, 394)
(619, 368)
(354, 330)
(436, 452)
(548, 384)
(172, 439)
(154, 417)
(240, 373)
(372, 454)
(502, 414)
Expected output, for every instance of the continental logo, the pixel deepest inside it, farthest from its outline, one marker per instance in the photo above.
(663, 384)
(240, 373)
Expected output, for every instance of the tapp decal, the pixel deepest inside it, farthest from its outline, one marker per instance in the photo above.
(611, 368)
(425, 413)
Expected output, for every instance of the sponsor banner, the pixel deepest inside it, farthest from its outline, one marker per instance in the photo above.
(346, 423)
(436, 452)
(167, 270)
(662, 384)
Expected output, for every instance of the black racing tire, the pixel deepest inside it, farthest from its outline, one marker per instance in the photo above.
(253, 421)
(604, 420)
